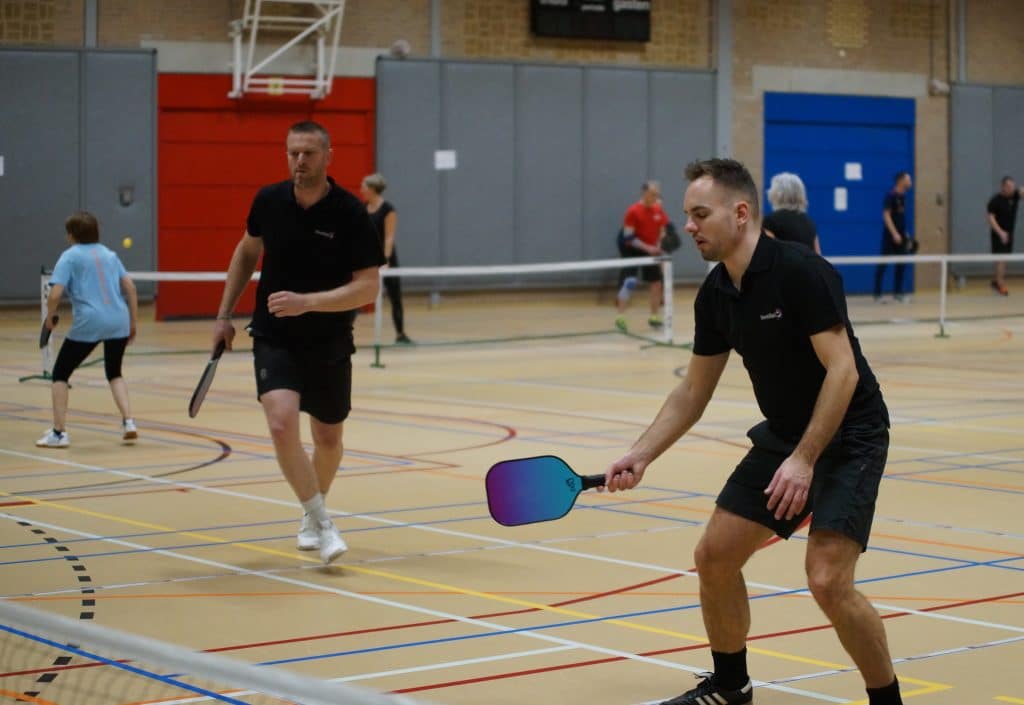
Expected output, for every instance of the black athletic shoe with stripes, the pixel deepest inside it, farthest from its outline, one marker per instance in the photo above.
(707, 693)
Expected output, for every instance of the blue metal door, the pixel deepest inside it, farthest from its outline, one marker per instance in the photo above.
(847, 149)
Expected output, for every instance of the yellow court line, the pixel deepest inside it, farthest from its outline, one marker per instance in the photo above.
(442, 586)
(1008, 699)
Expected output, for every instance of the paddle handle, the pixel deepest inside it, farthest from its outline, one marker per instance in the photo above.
(218, 350)
(592, 481)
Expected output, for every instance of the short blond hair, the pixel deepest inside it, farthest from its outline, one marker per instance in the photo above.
(376, 183)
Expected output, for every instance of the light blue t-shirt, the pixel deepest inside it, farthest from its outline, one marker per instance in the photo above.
(91, 277)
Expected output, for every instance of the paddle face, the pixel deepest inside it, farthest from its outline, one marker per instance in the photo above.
(528, 490)
(205, 381)
(44, 332)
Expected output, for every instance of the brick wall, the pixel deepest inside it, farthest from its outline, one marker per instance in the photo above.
(41, 22)
(995, 41)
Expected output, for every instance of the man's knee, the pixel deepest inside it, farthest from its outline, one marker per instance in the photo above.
(830, 582)
(327, 437)
(713, 561)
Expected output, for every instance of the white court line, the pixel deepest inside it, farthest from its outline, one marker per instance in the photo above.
(502, 542)
(395, 672)
(480, 623)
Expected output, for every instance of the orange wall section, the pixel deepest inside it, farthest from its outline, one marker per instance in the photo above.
(216, 152)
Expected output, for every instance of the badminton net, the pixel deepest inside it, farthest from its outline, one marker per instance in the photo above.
(48, 659)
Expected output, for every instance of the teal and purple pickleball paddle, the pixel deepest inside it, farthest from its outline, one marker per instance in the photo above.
(528, 490)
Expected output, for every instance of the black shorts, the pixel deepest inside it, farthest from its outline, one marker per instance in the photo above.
(998, 246)
(843, 491)
(647, 273)
(320, 373)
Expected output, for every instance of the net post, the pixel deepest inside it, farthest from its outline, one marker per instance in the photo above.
(378, 318)
(943, 284)
(667, 290)
(46, 352)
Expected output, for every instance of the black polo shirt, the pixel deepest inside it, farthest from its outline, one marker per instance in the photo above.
(895, 203)
(306, 250)
(787, 294)
(1004, 208)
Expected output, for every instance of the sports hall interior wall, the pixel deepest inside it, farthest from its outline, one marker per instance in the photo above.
(839, 46)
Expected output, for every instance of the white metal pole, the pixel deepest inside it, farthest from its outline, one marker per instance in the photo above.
(667, 288)
(46, 353)
(943, 285)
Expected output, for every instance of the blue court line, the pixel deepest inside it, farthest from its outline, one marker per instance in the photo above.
(950, 456)
(994, 467)
(951, 485)
(123, 666)
(570, 623)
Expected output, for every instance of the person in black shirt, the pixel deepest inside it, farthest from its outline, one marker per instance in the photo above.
(788, 219)
(321, 257)
(1002, 216)
(821, 447)
(895, 238)
(385, 221)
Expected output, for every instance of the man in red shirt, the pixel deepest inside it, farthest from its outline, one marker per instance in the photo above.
(642, 230)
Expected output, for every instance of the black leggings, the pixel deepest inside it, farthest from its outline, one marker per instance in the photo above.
(393, 287)
(73, 353)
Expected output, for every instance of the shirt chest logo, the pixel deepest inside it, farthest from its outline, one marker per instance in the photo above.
(324, 233)
(777, 313)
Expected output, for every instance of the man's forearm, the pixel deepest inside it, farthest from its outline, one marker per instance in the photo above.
(829, 409)
(677, 416)
(356, 293)
(239, 273)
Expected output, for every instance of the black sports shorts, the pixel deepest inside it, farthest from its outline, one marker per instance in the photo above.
(998, 246)
(321, 373)
(843, 490)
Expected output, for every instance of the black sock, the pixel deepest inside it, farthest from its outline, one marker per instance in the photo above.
(730, 669)
(889, 695)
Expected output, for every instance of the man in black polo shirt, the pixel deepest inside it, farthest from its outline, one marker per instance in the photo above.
(895, 238)
(822, 446)
(1002, 216)
(320, 261)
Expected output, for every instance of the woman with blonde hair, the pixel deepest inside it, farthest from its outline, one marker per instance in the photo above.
(385, 219)
(788, 219)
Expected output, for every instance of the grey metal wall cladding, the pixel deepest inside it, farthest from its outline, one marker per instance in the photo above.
(1007, 140)
(478, 198)
(119, 152)
(971, 167)
(548, 157)
(74, 126)
(682, 130)
(549, 161)
(616, 159)
(408, 133)
(39, 142)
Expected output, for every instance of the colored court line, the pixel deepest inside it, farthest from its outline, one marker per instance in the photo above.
(22, 698)
(496, 628)
(1008, 699)
(480, 594)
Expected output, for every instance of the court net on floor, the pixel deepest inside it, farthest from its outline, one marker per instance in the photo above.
(48, 659)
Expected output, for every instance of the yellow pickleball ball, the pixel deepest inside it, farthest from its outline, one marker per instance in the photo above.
(127, 243)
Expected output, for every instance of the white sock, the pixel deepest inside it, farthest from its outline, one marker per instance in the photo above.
(316, 509)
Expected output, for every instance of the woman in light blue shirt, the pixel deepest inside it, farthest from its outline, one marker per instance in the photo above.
(104, 306)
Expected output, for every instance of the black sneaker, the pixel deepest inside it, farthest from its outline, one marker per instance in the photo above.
(707, 693)
(403, 339)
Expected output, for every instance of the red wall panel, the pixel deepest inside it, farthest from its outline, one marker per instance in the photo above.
(216, 152)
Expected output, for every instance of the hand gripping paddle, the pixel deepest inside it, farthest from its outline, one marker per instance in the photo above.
(205, 381)
(44, 332)
(528, 490)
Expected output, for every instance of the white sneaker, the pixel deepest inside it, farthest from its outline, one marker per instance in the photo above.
(54, 439)
(309, 535)
(129, 431)
(331, 543)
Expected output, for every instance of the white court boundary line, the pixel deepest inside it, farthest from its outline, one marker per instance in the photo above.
(493, 540)
(489, 626)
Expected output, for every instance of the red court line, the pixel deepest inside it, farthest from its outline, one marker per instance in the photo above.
(408, 625)
(677, 649)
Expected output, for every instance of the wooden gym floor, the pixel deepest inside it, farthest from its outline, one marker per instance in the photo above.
(188, 536)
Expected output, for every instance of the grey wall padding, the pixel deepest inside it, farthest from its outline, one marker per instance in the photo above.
(75, 126)
(548, 157)
(985, 145)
